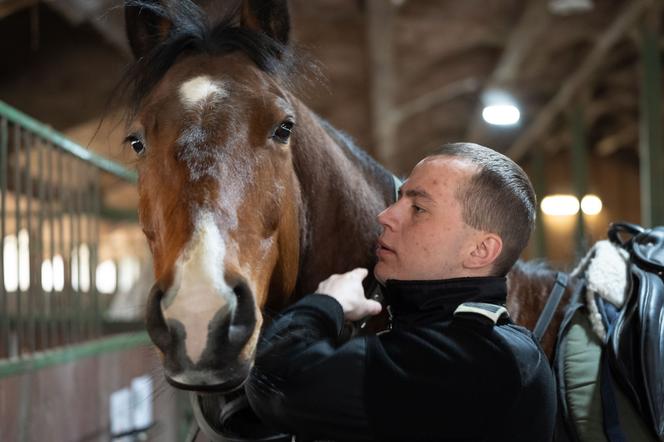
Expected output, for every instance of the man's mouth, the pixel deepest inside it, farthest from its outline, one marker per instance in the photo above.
(383, 248)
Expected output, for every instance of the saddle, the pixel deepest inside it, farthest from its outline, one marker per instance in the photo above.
(610, 350)
(635, 343)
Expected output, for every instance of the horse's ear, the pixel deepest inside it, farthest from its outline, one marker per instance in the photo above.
(146, 25)
(267, 16)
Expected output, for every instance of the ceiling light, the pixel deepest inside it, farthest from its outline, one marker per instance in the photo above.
(501, 114)
(500, 108)
(568, 7)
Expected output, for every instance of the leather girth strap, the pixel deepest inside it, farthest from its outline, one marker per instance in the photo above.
(551, 305)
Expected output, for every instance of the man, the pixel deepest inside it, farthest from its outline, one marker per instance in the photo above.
(463, 217)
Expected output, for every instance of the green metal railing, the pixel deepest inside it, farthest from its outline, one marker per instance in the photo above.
(49, 235)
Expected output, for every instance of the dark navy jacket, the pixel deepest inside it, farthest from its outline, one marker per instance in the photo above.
(434, 376)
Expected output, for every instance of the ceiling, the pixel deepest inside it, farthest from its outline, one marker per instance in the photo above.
(402, 76)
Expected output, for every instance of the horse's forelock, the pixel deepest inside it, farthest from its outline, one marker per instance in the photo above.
(192, 32)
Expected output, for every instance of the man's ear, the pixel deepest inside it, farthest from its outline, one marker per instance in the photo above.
(486, 250)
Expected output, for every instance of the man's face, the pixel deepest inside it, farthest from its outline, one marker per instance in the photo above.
(424, 236)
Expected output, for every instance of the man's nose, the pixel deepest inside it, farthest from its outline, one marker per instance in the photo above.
(387, 217)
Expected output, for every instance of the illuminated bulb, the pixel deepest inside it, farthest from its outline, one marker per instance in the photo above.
(560, 205)
(591, 204)
(501, 114)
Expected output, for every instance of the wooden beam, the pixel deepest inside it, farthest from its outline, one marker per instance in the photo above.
(621, 103)
(615, 103)
(531, 25)
(434, 98)
(625, 135)
(103, 15)
(556, 141)
(8, 7)
(381, 71)
(623, 22)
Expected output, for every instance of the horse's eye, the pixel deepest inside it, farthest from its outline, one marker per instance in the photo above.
(136, 144)
(283, 132)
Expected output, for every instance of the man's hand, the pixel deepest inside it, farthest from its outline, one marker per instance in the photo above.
(347, 290)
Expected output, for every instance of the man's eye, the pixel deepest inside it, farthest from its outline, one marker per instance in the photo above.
(418, 209)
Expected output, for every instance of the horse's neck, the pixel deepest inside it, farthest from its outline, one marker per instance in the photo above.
(342, 192)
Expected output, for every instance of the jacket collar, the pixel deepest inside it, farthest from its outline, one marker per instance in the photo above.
(443, 296)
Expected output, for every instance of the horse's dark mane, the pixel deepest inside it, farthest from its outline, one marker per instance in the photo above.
(367, 161)
(529, 286)
(536, 268)
(192, 33)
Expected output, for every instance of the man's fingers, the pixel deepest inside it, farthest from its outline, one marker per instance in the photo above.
(374, 307)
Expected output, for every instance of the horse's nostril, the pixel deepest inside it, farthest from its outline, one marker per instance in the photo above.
(241, 289)
(244, 318)
(238, 334)
(155, 322)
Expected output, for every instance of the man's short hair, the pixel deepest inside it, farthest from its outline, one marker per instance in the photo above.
(499, 199)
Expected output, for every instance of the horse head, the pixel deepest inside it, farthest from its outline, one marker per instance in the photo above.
(247, 198)
(218, 196)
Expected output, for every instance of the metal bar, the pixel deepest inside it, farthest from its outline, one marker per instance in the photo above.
(78, 243)
(30, 292)
(75, 306)
(39, 237)
(54, 337)
(83, 170)
(579, 172)
(40, 360)
(92, 267)
(65, 144)
(73, 254)
(63, 301)
(17, 201)
(118, 214)
(650, 140)
(4, 323)
(96, 197)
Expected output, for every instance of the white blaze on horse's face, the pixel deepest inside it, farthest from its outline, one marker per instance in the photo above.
(201, 88)
(199, 290)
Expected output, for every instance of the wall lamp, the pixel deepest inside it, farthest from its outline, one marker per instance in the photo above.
(566, 205)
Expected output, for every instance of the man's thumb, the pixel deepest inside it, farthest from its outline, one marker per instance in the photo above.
(374, 307)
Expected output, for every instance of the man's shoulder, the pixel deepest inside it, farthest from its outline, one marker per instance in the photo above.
(518, 340)
(448, 372)
(528, 356)
(460, 345)
(509, 337)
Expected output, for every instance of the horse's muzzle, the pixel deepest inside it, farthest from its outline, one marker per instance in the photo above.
(225, 361)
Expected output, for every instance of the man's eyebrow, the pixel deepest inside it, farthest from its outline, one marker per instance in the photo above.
(416, 193)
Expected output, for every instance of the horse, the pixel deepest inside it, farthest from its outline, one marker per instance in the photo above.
(247, 198)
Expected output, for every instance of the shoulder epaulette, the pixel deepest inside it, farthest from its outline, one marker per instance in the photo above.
(492, 311)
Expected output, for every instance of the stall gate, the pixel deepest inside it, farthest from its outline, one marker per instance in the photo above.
(58, 370)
